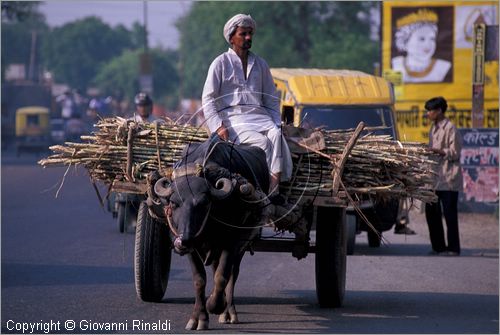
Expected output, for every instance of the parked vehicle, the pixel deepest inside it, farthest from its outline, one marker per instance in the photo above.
(57, 133)
(32, 129)
(340, 99)
(74, 128)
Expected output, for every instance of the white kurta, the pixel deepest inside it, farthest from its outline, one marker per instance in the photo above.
(249, 108)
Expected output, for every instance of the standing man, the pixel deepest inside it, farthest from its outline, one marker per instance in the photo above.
(444, 140)
(240, 102)
(67, 105)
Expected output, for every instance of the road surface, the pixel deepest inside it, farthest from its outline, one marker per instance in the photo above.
(65, 265)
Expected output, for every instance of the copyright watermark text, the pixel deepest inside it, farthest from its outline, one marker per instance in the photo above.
(52, 326)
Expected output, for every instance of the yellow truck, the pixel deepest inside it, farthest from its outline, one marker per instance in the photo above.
(340, 99)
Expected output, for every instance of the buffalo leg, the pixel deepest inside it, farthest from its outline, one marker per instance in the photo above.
(199, 317)
(216, 302)
(230, 315)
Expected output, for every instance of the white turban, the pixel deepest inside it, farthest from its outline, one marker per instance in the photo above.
(239, 20)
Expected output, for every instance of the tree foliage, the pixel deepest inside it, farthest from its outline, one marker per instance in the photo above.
(333, 34)
(20, 20)
(19, 11)
(120, 75)
(76, 51)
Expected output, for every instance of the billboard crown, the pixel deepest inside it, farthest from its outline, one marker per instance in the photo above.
(422, 15)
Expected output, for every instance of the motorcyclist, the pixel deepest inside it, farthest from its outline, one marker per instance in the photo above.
(144, 108)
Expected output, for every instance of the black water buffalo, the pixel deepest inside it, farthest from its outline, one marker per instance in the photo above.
(213, 203)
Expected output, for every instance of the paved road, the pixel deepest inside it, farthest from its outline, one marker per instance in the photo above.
(63, 259)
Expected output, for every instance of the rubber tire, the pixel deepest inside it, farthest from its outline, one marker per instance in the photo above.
(351, 222)
(132, 210)
(330, 260)
(121, 217)
(373, 239)
(153, 254)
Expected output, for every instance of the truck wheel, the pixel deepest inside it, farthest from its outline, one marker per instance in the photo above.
(122, 213)
(330, 261)
(132, 213)
(153, 254)
(351, 223)
(373, 239)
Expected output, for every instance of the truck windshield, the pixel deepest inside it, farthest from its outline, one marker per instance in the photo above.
(339, 117)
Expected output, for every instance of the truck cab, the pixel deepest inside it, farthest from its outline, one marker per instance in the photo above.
(340, 99)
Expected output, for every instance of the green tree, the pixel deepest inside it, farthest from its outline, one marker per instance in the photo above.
(19, 11)
(333, 34)
(76, 51)
(342, 37)
(20, 20)
(121, 74)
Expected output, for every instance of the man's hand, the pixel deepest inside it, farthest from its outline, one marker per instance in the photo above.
(223, 133)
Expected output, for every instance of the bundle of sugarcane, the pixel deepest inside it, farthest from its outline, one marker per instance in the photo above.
(123, 150)
(376, 165)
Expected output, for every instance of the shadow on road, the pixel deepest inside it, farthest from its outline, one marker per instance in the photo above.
(18, 274)
(374, 312)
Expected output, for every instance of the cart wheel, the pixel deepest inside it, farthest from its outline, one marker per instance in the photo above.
(153, 254)
(351, 223)
(122, 213)
(330, 262)
(132, 213)
(373, 239)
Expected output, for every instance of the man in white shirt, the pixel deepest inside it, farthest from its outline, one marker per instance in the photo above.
(240, 102)
(67, 105)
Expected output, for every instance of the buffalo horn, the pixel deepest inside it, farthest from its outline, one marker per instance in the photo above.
(223, 188)
(162, 188)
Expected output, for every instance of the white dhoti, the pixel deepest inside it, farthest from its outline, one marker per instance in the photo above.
(268, 137)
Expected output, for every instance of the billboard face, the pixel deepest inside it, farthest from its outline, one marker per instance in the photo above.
(422, 44)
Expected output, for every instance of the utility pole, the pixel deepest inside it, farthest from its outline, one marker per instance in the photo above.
(145, 20)
(32, 66)
(478, 73)
(145, 71)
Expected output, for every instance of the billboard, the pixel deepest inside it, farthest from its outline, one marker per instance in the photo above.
(427, 50)
(479, 160)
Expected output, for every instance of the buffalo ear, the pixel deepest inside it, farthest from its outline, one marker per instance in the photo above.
(247, 190)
